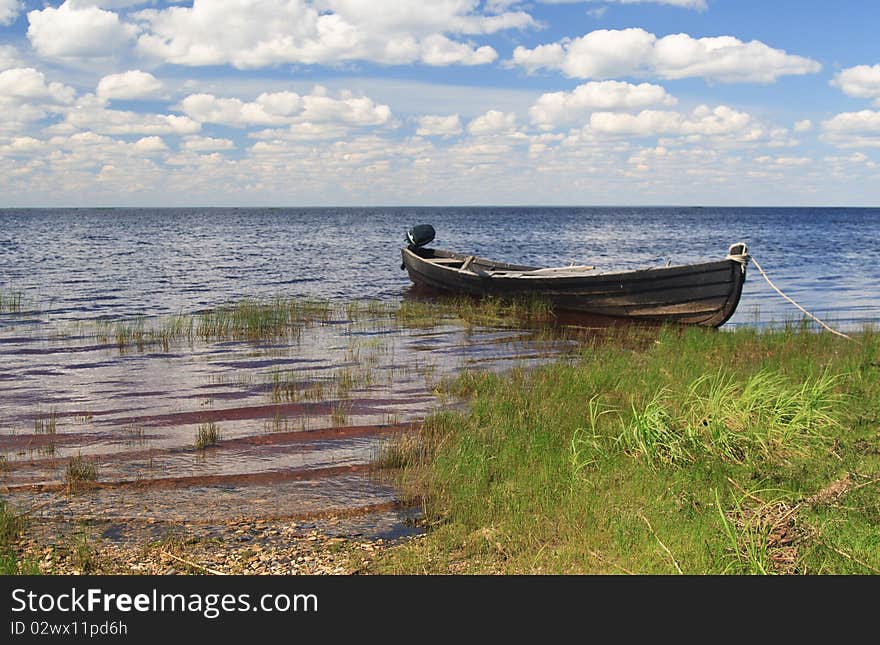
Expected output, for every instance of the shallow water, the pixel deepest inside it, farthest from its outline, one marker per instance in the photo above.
(300, 418)
(136, 412)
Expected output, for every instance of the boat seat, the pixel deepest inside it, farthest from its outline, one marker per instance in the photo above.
(445, 261)
(548, 272)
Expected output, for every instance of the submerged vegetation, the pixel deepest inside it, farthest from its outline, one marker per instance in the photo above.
(11, 302)
(208, 434)
(283, 319)
(660, 452)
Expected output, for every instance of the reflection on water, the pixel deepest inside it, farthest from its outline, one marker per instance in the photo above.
(300, 421)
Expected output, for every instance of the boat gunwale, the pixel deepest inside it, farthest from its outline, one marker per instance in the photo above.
(633, 274)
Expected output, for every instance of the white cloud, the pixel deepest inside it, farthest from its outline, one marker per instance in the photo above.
(436, 125)
(108, 4)
(283, 108)
(861, 81)
(703, 121)
(855, 159)
(635, 52)
(150, 145)
(133, 84)
(492, 122)
(207, 144)
(305, 131)
(26, 97)
(853, 129)
(90, 114)
(438, 50)
(564, 108)
(783, 161)
(249, 34)
(27, 83)
(804, 125)
(9, 10)
(9, 57)
(700, 5)
(70, 32)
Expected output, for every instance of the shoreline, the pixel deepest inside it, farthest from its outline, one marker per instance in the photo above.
(110, 522)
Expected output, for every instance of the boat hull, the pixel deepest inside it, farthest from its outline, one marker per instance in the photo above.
(705, 294)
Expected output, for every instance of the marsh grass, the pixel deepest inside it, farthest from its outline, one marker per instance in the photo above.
(81, 473)
(12, 302)
(626, 459)
(207, 435)
(488, 311)
(340, 413)
(46, 423)
(284, 319)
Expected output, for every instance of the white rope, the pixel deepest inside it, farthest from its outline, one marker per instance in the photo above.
(779, 291)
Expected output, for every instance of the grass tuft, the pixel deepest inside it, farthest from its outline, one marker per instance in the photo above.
(208, 434)
(81, 473)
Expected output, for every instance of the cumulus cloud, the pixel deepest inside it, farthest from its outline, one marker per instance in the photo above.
(442, 126)
(492, 122)
(25, 97)
(861, 81)
(90, 114)
(9, 10)
(28, 83)
(704, 121)
(150, 145)
(554, 109)
(635, 52)
(207, 144)
(71, 32)
(288, 108)
(9, 57)
(853, 129)
(249, 34)
(804, 125)
(133, 84)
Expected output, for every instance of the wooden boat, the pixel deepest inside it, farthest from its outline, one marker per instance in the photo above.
(705, 294)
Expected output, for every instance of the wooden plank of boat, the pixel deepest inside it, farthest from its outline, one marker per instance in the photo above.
(702, 294)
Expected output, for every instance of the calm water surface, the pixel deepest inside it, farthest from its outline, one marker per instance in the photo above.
(122, 262)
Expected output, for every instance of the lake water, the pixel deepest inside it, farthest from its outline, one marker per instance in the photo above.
(303, 452)
(88, 263)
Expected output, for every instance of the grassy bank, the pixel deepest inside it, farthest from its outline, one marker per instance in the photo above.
(12, 524)
(656, 452)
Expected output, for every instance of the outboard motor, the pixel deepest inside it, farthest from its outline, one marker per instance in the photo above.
(420, 235)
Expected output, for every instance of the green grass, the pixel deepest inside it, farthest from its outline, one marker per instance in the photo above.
(208, 434)
(656, 451)
(80, 473)
(12, 525)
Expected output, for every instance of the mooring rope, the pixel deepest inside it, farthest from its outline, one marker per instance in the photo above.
(779, 291)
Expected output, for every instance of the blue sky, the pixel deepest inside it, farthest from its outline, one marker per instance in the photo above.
(371, 102)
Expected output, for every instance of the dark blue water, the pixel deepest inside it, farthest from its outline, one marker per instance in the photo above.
(107, 263)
